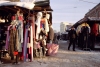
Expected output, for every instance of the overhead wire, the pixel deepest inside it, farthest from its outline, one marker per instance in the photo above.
(88, 1)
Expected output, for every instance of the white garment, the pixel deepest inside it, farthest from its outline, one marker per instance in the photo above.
(44, 42)
(39, 16)
(46, 26)
(47, 16)
(31, 42)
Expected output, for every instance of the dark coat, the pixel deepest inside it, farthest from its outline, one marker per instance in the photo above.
(72, 34)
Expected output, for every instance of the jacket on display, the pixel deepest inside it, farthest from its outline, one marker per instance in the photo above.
(94, 29)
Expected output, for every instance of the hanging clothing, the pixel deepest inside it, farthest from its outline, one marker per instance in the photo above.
(85, 30)
(79, 28)
(7, 38)
(94, 29)
(46, 26)
(20, 34)
(94, 33)
(48, 16)
(39, 16)
(85, 36)
(13, 42)
(50, 36)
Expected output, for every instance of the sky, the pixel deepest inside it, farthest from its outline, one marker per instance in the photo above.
(70, 11)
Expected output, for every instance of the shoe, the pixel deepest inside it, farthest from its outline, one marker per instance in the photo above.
(73, 50)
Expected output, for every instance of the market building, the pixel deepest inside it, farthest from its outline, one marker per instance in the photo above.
(92, 21)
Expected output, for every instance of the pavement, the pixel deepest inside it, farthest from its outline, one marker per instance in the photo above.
(64, 58)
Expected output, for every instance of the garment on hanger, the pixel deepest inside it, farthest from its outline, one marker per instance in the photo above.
(39, 16)
(94, 29)
(48, 16)
(20, 34)
(50, 35)
(7, 38)
(46, 26)
(13, 41)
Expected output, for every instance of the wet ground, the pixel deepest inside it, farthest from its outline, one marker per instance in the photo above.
(64, 58)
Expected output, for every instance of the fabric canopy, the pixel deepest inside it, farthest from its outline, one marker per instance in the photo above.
(28, 1)
(27, 5)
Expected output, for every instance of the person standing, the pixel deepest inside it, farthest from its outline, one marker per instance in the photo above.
(72, 38)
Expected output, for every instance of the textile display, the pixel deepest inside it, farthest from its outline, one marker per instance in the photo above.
(39, 16)
(52, 49)
(31, 42)
(94, 29)
(7, 38)
(25, 43)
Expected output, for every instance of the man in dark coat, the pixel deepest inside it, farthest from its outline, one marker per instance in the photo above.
(72, 38)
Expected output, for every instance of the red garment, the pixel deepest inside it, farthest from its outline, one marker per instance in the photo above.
(94, 29)
(20, 18)
(13, 18)
(15, 53)
(42, 23)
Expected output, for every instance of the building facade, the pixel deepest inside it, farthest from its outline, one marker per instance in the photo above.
(93, 19)
(64, 26)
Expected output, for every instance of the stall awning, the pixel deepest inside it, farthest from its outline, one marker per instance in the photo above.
(27, 5)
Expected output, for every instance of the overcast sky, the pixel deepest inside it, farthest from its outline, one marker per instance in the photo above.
(70, 10)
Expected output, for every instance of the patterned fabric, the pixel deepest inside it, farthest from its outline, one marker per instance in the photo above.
(13, 41)
(52, 49)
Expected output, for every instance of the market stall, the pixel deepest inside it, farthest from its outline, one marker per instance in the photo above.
(13, 24)
(25, 30)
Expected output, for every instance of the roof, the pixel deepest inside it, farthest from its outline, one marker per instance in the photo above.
(93, 18)
(27, 5)
(43, 4)
(92, 9)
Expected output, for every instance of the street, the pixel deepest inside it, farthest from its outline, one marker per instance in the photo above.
(64, 58)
